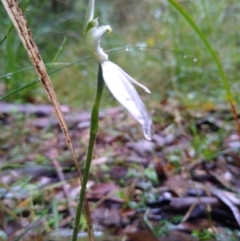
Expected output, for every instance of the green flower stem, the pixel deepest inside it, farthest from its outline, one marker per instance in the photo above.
(208, 46)
(93, 133)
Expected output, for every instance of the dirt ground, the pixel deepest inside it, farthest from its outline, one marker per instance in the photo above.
(184, 185)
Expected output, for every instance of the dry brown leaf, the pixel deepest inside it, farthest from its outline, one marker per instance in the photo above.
(142, 147)
(141, 236)
(223, 181)
(178, 185)
(178, 236)
(232, 197)
(100, 190)
(182, 203)
(109, 217)
(36, 237)
(198, 224)
(225, 199)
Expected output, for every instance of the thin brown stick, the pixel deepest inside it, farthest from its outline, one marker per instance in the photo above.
(16, 15)
(235, 115)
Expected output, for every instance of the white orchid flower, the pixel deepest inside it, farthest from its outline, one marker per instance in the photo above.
(118, 82)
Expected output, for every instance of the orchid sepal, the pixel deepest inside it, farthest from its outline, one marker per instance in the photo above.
(89, 15)
(120, 85)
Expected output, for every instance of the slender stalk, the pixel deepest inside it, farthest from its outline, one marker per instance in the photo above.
(12, 27)
(93, 133)
(208, 46)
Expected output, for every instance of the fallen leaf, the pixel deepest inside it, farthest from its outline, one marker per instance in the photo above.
(225, 198)
(177, 185)
(142, 146)
(177, 236)
(141, 236)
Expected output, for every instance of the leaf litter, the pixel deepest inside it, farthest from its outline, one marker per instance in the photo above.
(185, 183)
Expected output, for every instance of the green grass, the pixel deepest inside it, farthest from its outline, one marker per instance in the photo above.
(170, 58)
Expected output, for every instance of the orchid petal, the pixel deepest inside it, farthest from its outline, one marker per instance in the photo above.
(129, 78)
(93, 38)
(119, 84)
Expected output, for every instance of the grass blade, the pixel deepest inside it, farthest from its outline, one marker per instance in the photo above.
(212, 52)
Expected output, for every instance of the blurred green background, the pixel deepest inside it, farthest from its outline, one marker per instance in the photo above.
(150, 41)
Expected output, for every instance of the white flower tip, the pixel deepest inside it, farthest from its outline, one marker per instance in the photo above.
(143, 87)
(148, 130)
(147, 90)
